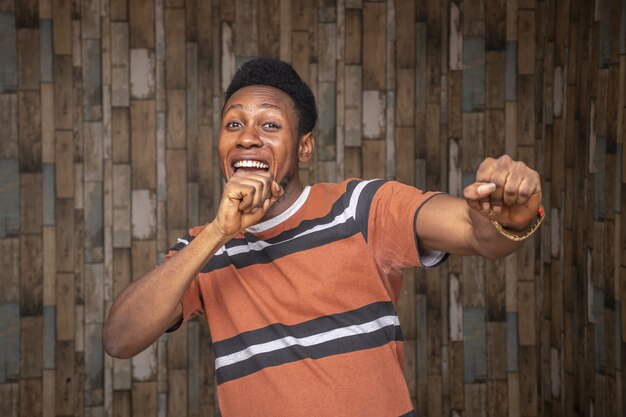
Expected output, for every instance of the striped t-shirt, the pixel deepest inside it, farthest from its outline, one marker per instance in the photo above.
(301, 307)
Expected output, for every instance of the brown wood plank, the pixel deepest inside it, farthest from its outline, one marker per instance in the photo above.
(176, 136)
(354, 29)
(526, 42)
(374, 35)
(373, 153)
(144, 399)
(141, 19)
(175, 49)
(176, 189)
(269, 28)
(29, 124)
(28, 58)
(143, 143)
(30, 397)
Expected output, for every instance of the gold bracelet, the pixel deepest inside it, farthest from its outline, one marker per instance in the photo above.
(541, 214)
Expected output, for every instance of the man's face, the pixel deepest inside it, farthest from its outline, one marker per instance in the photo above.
(259, 132)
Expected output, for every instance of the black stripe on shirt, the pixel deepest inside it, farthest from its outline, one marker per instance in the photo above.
(318, 325)
(411, 413)
(295, 353)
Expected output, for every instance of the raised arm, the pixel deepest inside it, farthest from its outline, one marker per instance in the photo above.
(464, 227)
(149, 306)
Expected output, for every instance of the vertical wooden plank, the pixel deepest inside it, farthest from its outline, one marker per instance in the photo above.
(143, 151)
(373, 159)
(9, 120)
(270, 28)
(526, 42)
(30, 397)
(176, 189)
(175, 48)
(144, 399)
(31, 276)
(29, 124)
(473, 74)
(176, 119)
(247, 15)
(8, 52)
(120, 69)
(9, 197)
(10, 338)
(28, 59)
(374, 35)
(141, 18)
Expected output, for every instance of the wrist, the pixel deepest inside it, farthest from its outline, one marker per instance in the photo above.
(218, 233)
(523, 234)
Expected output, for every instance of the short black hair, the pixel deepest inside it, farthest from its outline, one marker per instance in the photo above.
(278, 74)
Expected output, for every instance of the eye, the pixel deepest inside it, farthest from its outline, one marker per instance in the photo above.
(271, 125)
(233, 125)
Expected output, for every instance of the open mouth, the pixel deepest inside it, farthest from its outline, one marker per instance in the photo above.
(250, 165)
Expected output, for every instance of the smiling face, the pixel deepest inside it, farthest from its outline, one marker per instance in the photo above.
(259, 132)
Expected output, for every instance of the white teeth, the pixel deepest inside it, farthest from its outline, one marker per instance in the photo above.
(248, 163)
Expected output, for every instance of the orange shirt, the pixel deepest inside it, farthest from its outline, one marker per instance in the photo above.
(301, 307)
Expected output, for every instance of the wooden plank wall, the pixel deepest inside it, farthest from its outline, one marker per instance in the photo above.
(108, 120)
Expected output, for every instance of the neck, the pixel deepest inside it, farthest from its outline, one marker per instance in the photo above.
(293, 189)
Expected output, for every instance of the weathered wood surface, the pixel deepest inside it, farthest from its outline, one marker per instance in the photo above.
(108, 125)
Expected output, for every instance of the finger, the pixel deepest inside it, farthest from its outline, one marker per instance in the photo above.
(511, 189)
(246, 196)
(526, 190)
(485, 169)
(499, 176)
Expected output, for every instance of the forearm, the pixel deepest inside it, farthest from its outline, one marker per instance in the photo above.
(147, 307)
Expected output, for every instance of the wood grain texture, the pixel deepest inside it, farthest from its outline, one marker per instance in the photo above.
(109, 116)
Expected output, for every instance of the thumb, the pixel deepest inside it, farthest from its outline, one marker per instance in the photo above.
(478, 190)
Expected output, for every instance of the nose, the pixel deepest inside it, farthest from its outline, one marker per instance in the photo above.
(249, 138)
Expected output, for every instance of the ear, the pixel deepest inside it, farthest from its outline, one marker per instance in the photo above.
(305, 147)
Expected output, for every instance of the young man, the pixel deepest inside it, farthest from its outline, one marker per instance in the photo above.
(298, 284)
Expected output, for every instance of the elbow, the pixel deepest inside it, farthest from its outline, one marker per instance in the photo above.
(113, 344)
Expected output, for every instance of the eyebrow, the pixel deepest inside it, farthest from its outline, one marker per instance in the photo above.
(238, 106)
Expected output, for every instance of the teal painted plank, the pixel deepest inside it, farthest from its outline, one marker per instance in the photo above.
(512, 364)
(511, 71)
(8, 52)
(92, 80)
(473, 73)
(49, 336)
(48, 195)
(9, 341)
(599, 330)
(326, 125)
(45, 50)
(475, 344)
(94, 365)
(467, 178)
(94, 229)
(600, 178)
(9, 197)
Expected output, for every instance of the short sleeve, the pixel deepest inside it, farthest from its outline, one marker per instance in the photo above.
(391, 227)
(191, 301)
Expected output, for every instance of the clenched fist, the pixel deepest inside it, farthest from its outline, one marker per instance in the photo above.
(507, 191)
(246, 199)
